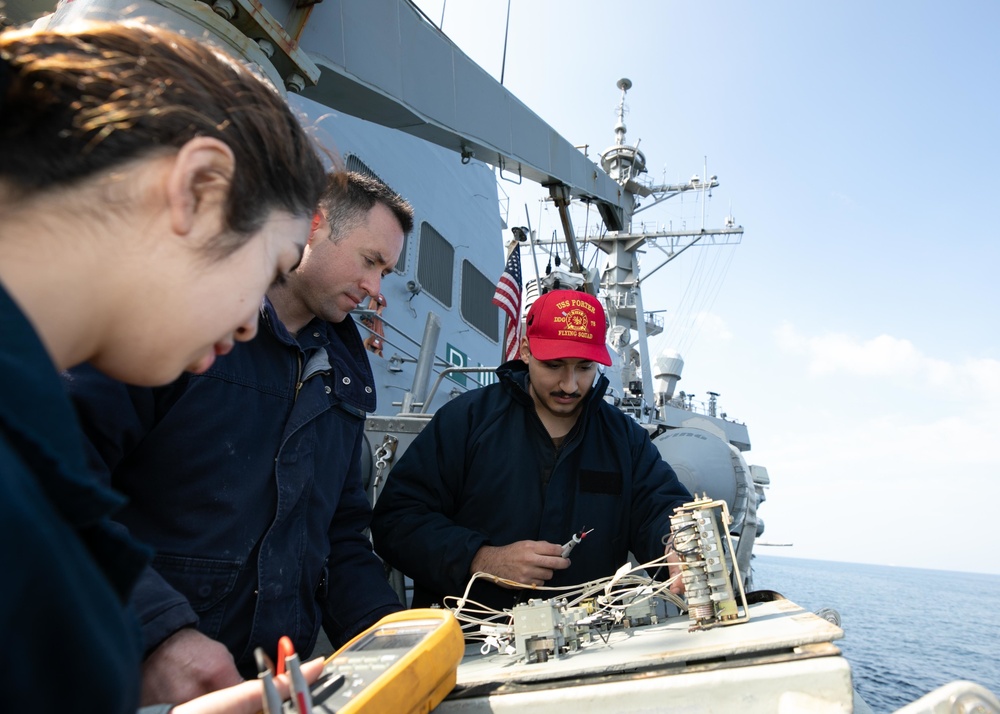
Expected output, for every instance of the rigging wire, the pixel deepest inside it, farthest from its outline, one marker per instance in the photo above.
(688, 314)
(711, 293)
(503, 63)
(701, 291)
(711, 285)
(696, 291)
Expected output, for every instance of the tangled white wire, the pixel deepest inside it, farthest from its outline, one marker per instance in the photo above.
(611, 595)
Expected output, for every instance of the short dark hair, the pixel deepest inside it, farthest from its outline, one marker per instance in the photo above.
(78, 101)
(350, 195)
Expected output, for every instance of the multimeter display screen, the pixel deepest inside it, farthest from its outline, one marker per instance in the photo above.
(391, 639)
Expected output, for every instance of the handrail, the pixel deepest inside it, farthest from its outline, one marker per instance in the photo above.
(438, 360)
(444, 373)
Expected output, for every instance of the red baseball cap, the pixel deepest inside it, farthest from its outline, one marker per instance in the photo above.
(567, 324)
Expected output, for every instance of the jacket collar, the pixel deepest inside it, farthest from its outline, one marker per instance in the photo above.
(345, 348)
(38, 420)
(269, 316)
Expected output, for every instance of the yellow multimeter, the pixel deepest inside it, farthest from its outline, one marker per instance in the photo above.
(406, 662)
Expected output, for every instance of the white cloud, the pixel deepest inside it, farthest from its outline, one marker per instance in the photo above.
(685, 333)
(713, 326)
(887, 438)
(892, 358)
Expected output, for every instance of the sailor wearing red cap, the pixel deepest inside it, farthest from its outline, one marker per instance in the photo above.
(502, 475)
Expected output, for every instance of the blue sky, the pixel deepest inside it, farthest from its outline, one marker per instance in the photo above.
(855, 328)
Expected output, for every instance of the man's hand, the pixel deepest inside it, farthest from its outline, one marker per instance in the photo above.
(245, 698)
(677, 586)
(531, 562)
(187, 665)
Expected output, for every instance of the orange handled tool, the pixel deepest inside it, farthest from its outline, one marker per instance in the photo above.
(285, 649)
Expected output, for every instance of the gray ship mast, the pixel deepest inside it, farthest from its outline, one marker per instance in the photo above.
(628, 325)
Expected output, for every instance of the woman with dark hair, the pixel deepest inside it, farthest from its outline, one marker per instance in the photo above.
(150, 191)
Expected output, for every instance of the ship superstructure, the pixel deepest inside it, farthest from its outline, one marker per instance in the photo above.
(397, 99)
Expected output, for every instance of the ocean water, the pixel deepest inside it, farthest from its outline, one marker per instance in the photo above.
(906, 631)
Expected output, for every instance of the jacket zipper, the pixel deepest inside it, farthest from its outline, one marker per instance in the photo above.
(298, 379)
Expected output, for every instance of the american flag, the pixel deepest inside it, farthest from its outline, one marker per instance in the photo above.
(508, 298)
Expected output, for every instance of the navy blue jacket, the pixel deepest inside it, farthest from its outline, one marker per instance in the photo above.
(70, 642)
(474, 477)
(246, 480)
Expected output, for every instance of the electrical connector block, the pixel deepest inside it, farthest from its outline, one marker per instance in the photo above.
(702, 541)
(547, 628)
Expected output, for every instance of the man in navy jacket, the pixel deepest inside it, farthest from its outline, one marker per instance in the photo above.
(503, 475)
(246, 478)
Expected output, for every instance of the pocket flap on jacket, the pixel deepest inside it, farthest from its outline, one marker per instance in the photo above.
(609, 482)
(203, 581)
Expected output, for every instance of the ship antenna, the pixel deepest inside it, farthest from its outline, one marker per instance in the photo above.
(623, 84)
(623, 162)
